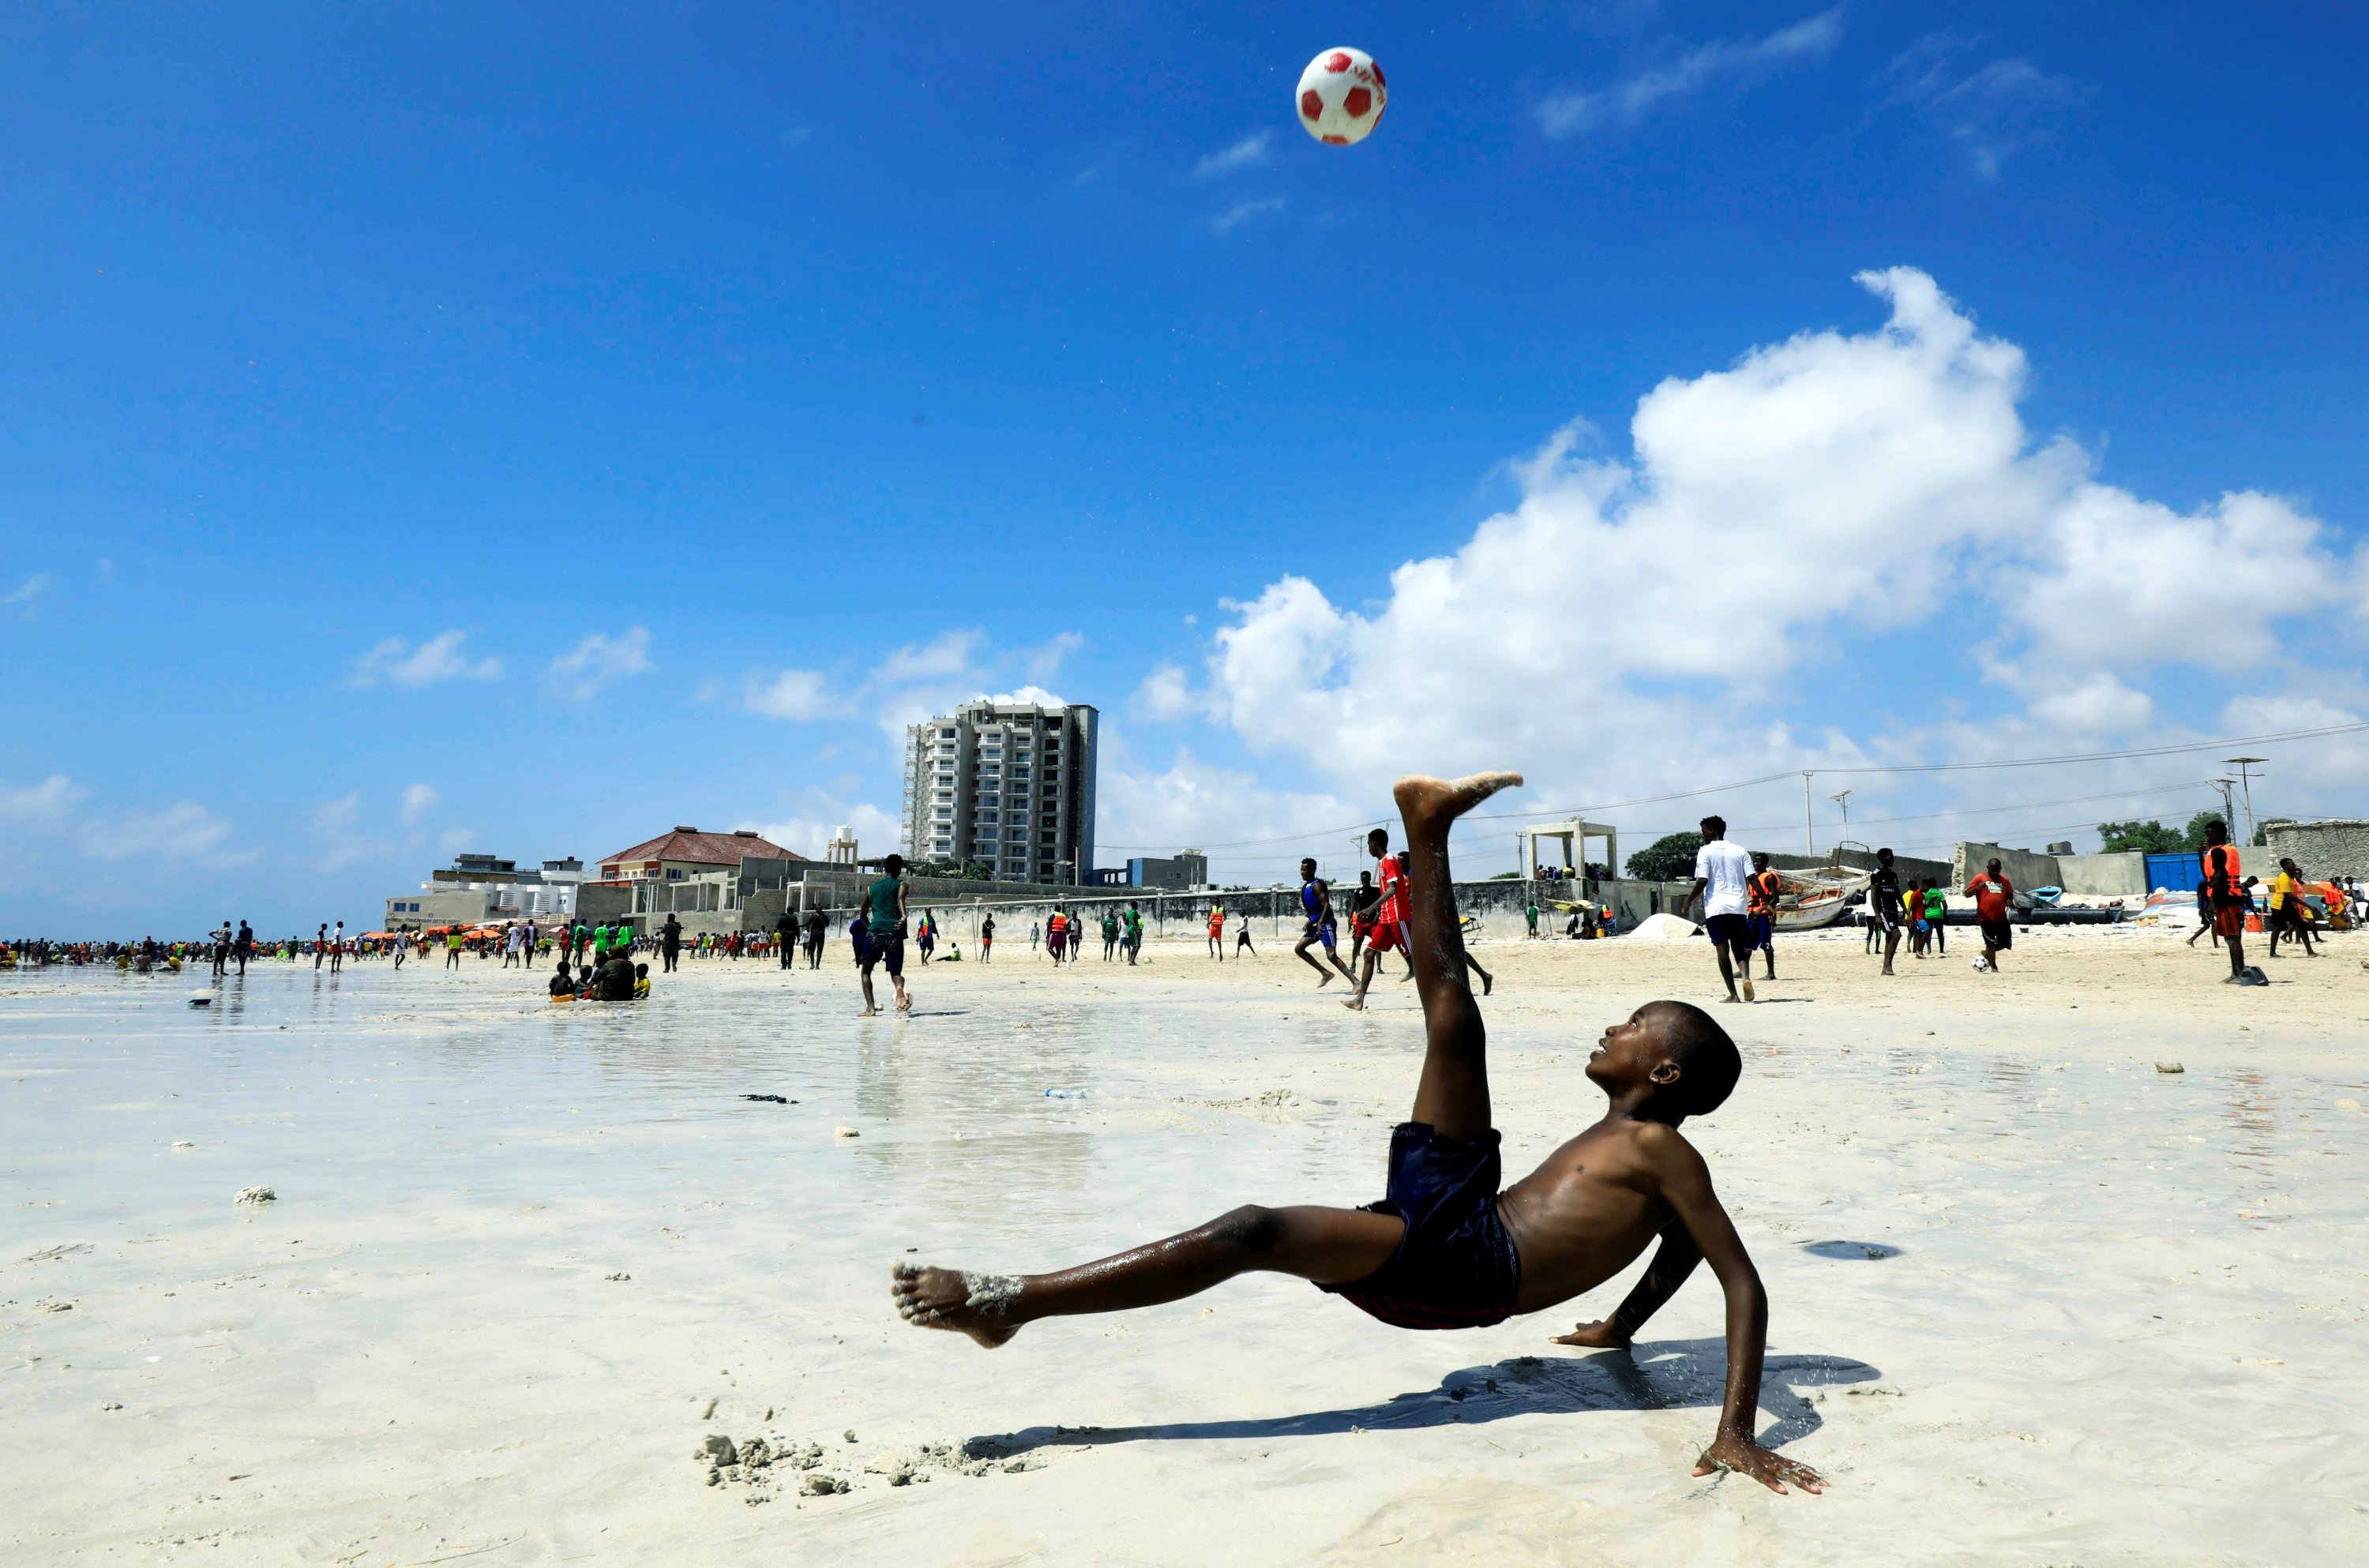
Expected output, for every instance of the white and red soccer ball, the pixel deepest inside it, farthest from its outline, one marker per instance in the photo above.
(1342, 96)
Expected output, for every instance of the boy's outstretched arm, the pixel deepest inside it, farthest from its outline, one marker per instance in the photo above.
(1672, 1264)
(1684, 1184)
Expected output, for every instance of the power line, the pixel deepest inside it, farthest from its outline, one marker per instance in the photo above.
(2141, 793)
(1545, 813)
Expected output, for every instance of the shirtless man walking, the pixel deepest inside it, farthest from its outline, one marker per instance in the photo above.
(1446, 1248)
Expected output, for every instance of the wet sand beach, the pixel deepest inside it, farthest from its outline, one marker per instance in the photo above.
(2033, 1298)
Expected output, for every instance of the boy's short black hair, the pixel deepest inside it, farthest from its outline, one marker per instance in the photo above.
(1707, 1061)
(895, 865)
(1713, 827)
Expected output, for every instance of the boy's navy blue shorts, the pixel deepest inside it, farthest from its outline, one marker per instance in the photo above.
(1456, 1266)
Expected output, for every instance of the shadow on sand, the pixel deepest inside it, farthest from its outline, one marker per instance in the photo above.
(1666, 1375)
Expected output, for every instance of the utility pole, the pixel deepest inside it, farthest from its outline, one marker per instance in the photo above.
(1843, 800)
(2229, 806)
(2246, 784)
(1809, 833)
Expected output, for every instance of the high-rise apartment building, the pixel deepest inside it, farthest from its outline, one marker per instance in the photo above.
(1008, 784)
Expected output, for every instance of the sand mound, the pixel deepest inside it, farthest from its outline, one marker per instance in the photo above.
(1664, 928)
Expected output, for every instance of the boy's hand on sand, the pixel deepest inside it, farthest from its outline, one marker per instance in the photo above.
(1603, 1335)
(1735, 1452)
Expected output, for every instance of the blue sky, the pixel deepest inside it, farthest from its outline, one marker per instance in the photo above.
(519, 429)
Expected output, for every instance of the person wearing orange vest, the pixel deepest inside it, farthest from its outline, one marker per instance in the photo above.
(2224, 885)
(1760, 890)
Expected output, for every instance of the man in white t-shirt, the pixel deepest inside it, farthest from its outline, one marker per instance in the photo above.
(1722, 880)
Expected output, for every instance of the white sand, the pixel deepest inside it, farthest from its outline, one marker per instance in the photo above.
(519, 1252)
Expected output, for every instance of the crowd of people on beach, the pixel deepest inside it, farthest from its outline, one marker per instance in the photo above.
(1738, 891)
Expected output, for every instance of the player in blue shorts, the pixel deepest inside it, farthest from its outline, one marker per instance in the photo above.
(1316, 903)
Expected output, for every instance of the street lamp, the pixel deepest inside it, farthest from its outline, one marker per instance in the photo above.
(2246, 786)
(1843, 800)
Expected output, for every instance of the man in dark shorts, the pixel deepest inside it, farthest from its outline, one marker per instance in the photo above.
(1723, 881)
(2289, 918)
(883, 918)
(1316, 909)
(1993, 895)
(2226, 886)
(987, 939)
(1446, 1249)
(1762, 889)
(1884, 903)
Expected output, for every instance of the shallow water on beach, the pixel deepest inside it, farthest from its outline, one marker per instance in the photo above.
(2092, 1276)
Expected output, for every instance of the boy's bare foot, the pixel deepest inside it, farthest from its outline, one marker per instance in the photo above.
(963, 1303)
(1426, 802)
(1353, 1005)
(1323, 979)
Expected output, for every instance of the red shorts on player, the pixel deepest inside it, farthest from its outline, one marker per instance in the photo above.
(1389, 936)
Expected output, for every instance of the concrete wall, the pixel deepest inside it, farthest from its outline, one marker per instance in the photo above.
(2332, 847)
(2101, 876)
(2024, 868)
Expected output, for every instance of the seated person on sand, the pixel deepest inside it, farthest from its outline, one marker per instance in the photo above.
(562, 983)
(613, 981)
(1446, 1249)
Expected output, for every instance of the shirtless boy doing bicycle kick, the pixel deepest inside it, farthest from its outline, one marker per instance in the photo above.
(1446, 1248)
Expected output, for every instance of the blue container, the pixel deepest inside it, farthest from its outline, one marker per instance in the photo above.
(2177, 873)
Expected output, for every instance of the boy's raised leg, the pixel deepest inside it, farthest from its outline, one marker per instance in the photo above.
(1452, 1096)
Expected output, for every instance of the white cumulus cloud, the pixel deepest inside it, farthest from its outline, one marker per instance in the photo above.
(46, 801)
(795, 695)
(183, 830)
(1988, 111)
(419, 800)
(395, 662)
(1248, 153)
(599, 661)
(1242, 212)
(1727, 60)
(1624, 622)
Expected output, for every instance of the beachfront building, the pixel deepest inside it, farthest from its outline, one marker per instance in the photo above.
(1182, 872)
(479, 888)
(1010, 785)
(685, 852)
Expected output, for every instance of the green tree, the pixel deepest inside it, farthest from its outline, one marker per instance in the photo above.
(2195, 834)
(1667, 859)
(2148, 838)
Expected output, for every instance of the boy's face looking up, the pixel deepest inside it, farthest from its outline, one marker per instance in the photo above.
(1632, 1054)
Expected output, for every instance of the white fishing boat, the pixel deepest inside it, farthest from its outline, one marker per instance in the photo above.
(1809, 899)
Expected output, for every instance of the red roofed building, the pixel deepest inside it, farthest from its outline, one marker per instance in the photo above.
(687, 851)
